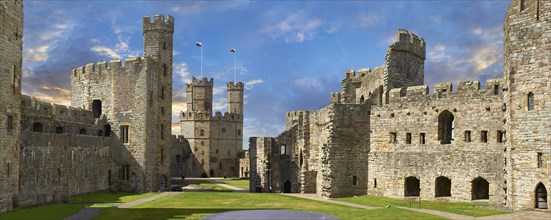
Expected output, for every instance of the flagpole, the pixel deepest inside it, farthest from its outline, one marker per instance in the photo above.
(234, 51)
(199, 44)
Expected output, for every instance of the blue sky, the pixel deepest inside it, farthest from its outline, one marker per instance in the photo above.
(291, 54)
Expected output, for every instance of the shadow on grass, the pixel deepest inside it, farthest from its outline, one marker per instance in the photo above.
(162, 213)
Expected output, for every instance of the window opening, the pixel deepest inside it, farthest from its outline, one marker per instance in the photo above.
(484, 136)
(530, 101)
(408, 138)
(421, 138)
(124, 130)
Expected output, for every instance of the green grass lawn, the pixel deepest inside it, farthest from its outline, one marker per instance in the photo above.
(462, 208)
(240, 183)
(195, 205)
(101, 199)
(206, 183)
(109, 199)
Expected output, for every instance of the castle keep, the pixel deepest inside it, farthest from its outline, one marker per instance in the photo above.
(386, 134)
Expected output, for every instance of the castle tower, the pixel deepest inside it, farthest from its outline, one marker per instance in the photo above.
(235, 98)
(158, 49)
(527, 33)
(199, 95)
(11, 17)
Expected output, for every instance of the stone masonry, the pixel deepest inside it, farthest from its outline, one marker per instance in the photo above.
(385, 134)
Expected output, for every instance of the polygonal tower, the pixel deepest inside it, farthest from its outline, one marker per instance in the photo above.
(527, 68)
(11, 44)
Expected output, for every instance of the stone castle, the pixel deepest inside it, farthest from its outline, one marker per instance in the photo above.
(116, 135)
(385, 134)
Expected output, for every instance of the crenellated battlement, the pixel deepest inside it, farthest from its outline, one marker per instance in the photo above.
(335, 97)
(407, 41)
(200, 82)
(218, 116)
(32, 106)
(115, 66)
(239, 86)
(467, 88)
(159, 23)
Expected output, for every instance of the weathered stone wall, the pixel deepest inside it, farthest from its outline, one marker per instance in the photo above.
(527, 68)
(11, 44)
(394, 156)
(260, 156)
(179, 153)
(405, 61)
(244, 164)
(57, 166)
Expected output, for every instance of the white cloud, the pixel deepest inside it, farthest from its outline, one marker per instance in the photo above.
(438, 53)
(106, 51)
(250, 84)
(181, 72)
(37, 54)
(220, 104)
(294, 28)
(367, 19)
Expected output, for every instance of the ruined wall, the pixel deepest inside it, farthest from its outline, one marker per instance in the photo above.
(260, 157)
(244, 164)
(397, 151)
(527, 68)
(404, 61)
(11, 44)
(179, 153)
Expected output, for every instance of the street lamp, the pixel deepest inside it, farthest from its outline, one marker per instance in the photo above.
(199, 44)
(234, 51)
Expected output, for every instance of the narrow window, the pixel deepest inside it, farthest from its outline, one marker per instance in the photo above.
(393, 138)
(354, 180)
(164, 70)
(421, 138)
(162, 92)
(8, 169)
(14, 79)
(96, 108)
(522, 5)
(283, 150)
(162, 110)
(162, 155)
(9, 125)
(125, 172)
(445, 127)
(238, 131)
(530, 101)
(375, 183)
(540, 160)
(150, 99)
(496, 89)
(162, 131)
(201, 132)
(124, 134)
(408, 138)
(467, 136)
(499, 136)
(82, 131)
(362, 100)
(484, 136)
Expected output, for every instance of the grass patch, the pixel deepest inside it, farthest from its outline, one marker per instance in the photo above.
(196, 205)
(239, 183)
(104, 199)
(462, 208)
(206, 183)
(45, 212)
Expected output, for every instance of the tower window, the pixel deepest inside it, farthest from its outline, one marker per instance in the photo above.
(164, 70)
(500, 136)
(467, 136)
(530, 101)
(421, 138)
(393, 138)
(408, 138)
(375, 183)
(496, 89)
(162, 131)
(445, 127)
(484, 136)
(124, 130)
(238, 131)
(540, 160)
(125, 169)
(96, 108)
(162, 92)
(9, 125)
(354, 180)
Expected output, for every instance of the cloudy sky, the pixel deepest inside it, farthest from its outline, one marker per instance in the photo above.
(291, 54)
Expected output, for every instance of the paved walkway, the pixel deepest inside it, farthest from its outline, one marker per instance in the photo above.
(147, 199)
(235, 189)
(318, 198)
(269, 215)
(84, 214)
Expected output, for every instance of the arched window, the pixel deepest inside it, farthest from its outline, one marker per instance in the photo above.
(541, 196)
(530, 101)
(411, 186)
(59, 130)
(37, 127)
(445, 127)
(443, 187)
(96, 108)
(82, 131)
(480, 189)
(362, 100)
(107, 130)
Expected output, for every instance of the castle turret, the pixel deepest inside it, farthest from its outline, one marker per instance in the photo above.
(235, 97)
(199, 95)
(157, 36)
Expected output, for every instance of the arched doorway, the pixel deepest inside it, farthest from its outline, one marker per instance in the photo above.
(287, 187)
(442, 187)
(445, 127)
(541, 196)
(411, 186)
(480, 189)
(133, 181)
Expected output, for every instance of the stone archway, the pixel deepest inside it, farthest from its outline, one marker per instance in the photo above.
(442, 187)
(411, 186)
(480, 188)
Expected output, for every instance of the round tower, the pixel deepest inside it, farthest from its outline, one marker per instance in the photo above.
(235, 97)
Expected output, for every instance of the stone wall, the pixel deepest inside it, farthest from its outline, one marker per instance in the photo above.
(244, 164)
(180, 152)
(11, 44)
